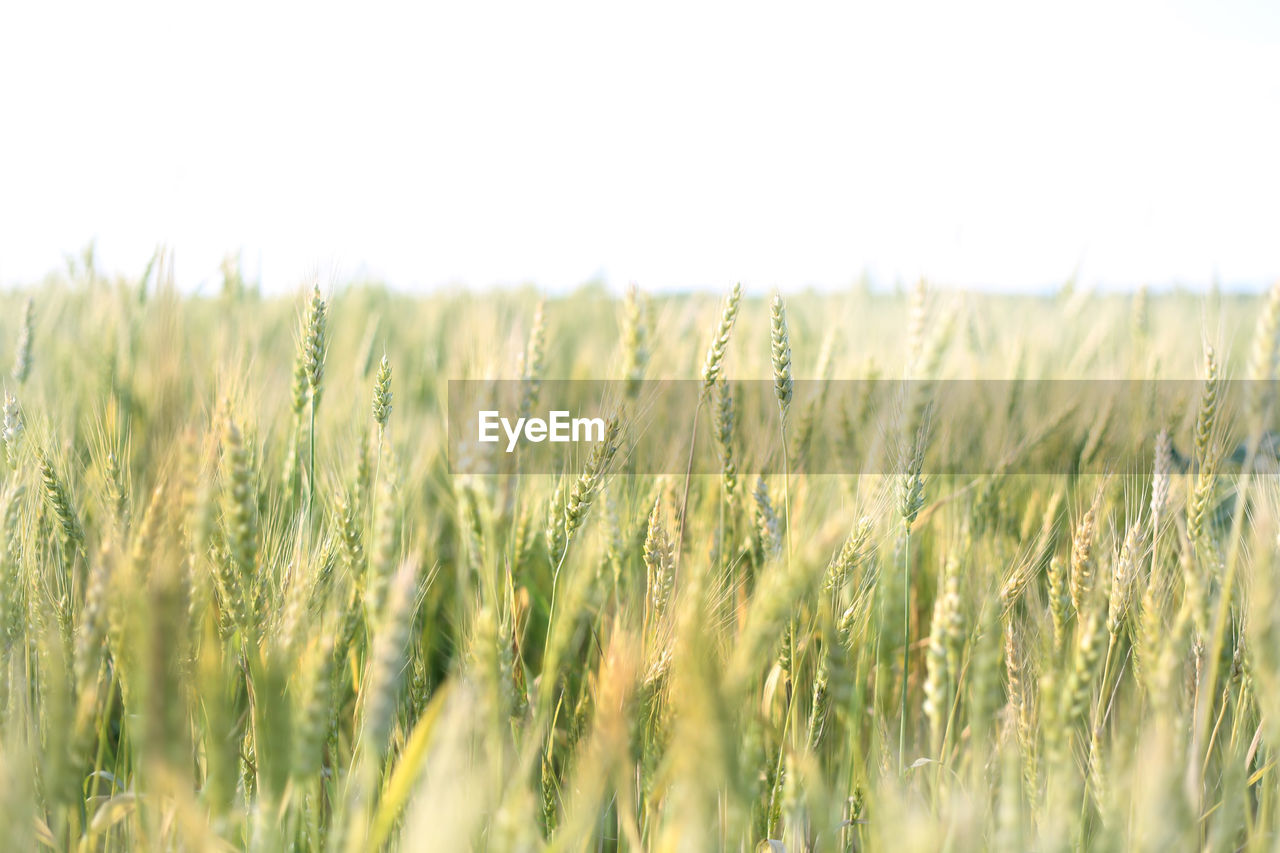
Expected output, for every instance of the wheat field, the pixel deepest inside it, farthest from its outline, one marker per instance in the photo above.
(246, 603)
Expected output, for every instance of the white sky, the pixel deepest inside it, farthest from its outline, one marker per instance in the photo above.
(671, 144)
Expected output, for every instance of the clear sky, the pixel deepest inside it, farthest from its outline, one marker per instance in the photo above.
(671, 144)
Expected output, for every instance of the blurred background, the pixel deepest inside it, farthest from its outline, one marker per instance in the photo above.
(682, 146)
